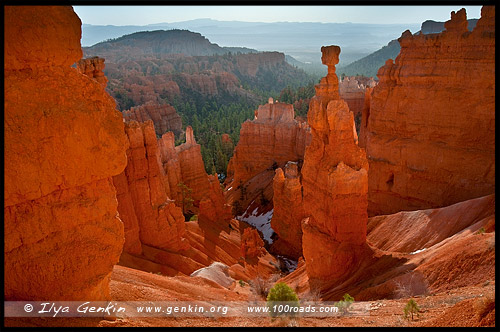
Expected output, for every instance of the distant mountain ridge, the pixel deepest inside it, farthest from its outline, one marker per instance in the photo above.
(302, 40)
(158, 42)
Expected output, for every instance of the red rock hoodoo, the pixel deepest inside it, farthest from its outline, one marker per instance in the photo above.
(365, 113)
(251, 243)
(164, 117)
(430, 136)
(157, 238)
(93, 68)
(64, 140)
(272, 139)
(288, 211)
(334, 181)
(148, 215)
(184, 164)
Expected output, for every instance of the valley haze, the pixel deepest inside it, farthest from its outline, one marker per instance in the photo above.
(273, 29)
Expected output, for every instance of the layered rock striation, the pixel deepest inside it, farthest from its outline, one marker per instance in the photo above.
(430, 134)
(64, 140)
(164, 117)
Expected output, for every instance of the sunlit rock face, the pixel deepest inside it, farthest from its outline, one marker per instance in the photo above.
(334, 182)
(430, 131)
(64, 140)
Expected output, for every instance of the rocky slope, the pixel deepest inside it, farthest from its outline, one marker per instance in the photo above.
(64, 141)
(430, 128)
(458, 252)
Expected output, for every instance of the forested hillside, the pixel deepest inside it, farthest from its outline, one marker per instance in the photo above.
(214, 94)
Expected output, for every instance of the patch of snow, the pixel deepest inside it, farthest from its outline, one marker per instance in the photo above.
(417, 251)
(260, 221)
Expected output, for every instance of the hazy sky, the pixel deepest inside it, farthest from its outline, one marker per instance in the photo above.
(143, 15)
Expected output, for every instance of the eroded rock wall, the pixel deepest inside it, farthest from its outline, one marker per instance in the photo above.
(157, 237)
(430, 136)
(64, 140)
(148, 214)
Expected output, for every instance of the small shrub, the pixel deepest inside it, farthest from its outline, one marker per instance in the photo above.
(410, 309)
(242, 283)
(348, 298)
(345, 303)
(279, 294)
(480, 231)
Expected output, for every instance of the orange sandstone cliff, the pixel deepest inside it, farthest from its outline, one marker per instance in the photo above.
(430, 136)
(334, 181)
(64, 141)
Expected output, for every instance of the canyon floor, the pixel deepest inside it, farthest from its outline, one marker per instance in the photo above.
(465, 306)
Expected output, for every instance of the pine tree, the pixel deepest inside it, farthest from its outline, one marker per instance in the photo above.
(411, 308)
